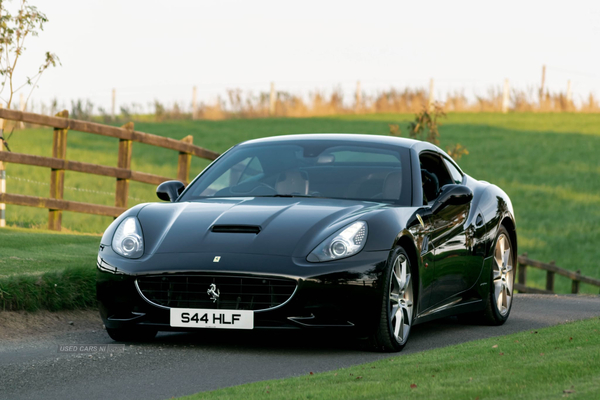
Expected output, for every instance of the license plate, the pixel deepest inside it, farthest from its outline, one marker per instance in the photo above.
(223, 319)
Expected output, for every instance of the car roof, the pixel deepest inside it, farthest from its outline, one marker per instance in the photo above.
(349, 137)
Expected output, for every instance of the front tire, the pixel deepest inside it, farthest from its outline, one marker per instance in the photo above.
(397, 311)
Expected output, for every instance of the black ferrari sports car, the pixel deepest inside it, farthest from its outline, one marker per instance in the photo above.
(364, 233)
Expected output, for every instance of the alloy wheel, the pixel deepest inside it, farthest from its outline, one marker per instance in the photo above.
(401, 299)
(503, 274)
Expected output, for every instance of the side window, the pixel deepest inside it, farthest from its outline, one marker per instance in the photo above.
(454, 172)
(434, 175)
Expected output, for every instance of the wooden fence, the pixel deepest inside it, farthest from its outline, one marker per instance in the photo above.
(551, 270)
(58, 163)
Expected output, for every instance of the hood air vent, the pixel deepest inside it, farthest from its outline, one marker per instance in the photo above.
(236, 229)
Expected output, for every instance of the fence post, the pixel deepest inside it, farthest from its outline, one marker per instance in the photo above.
(272, 100)
(185, 161)
(542, 86)
(124, 161)
(194, 103)
(2, 176)
(505, 97)
(575, 285)
(550, 278)
(431, 98)
(522, 271)
(357, 97)
(21, 108)
(114, 104)
(569, 95)
(57, 176)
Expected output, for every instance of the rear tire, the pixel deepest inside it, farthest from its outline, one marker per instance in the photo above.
(397, 311)
(131, 334)
(499, 301)
(502, 280)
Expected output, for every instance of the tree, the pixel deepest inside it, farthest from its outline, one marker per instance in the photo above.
(14, 31)
(426, 127)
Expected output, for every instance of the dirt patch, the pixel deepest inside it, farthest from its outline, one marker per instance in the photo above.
(20, 324)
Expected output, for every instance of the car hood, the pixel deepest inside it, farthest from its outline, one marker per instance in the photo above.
(288, 226)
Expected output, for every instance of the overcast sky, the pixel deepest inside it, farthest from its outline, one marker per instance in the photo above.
(161, 49)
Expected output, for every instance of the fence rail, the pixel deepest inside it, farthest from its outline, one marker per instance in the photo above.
(123, 133)
(95, 169)
(551, 270)
(58, 164)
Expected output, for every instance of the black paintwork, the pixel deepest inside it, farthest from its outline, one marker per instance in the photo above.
(451, 254)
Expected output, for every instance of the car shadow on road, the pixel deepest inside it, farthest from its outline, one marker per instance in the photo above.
(316, 340)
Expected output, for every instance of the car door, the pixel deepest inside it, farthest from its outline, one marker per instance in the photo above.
(456, 267)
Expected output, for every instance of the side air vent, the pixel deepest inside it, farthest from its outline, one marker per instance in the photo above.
(236, 229)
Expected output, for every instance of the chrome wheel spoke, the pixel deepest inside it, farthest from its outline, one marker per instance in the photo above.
(396, 283)
(505, 257)
(497, 288)
(399, 323)
(500, 299)
(497, 269)
(407, 310)
(406, 283)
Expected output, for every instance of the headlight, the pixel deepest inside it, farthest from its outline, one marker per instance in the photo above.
(128, 240)
(344, 243)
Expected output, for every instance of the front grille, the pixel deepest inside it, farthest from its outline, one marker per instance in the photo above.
(235, 293)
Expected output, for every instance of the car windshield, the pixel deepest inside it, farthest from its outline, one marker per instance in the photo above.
(308, 168)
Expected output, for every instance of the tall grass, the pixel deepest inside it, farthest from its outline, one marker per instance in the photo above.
(239, 104)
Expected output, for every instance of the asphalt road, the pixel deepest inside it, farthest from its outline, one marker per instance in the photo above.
(180, 364)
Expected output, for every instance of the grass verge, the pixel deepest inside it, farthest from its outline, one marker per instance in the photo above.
(42, 270)
(555, 362)
(67, 289)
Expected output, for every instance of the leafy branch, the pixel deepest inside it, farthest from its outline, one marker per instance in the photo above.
(14, 31)
(427, 127)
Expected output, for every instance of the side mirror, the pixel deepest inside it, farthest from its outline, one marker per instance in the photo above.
(454, 195)
(169, 190)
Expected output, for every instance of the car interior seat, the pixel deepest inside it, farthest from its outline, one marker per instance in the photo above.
(292, 182)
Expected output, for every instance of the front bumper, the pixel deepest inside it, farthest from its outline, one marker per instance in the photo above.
(337, 294)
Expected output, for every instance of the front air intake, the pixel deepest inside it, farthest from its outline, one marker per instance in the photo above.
(235, 292)
(236, 229)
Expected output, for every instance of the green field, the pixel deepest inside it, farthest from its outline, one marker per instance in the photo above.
(27, 252)
(547, 163)
(551, 363)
